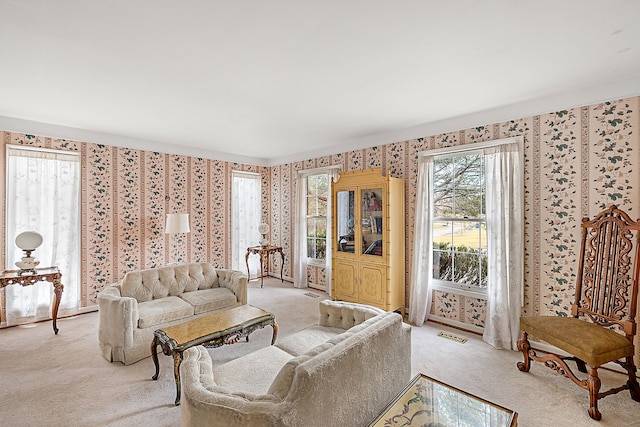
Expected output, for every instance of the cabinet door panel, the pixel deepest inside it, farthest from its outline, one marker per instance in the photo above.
(372, 285)
(372, 200)
(345, 281)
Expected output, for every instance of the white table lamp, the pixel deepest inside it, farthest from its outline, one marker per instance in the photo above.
(177, 223)
(28, 241)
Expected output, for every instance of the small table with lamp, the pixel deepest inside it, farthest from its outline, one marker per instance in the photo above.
(33, 276)
(265, 252)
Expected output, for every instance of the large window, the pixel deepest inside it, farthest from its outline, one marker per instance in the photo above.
(316, 215)
(459, 226)
(246, 216)
(43, 195)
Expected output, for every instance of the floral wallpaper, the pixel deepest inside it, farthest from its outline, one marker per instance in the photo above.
(577, 161)
(126, 195)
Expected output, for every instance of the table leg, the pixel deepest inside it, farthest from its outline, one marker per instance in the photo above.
(154, 356)
(262, 269)
(246, 260)
(275, 332)
(281, 265)
(177, 360)
(57, 296)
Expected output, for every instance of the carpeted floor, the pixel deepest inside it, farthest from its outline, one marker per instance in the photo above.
(49, 380)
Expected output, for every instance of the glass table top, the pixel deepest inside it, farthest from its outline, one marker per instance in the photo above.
(429, 402)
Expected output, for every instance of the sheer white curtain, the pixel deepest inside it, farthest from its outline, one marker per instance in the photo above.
(43, 195)
(505, 223)
(422, 263)
(246, 216)
(334, 173)
(300, 234)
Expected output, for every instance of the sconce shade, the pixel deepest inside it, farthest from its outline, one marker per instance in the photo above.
(177, 223)
(28, 240)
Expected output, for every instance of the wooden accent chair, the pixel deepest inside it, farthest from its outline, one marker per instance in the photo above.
(603, 326)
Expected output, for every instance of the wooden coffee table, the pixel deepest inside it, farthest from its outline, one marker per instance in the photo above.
(426, 401)
(213, 330)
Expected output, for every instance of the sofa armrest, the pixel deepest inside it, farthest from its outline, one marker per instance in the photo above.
(235, 281)
(204, 403)
(340, 314)
(118, 318)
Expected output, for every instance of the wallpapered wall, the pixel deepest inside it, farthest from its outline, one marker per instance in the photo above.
(125, 197)
(577, 161)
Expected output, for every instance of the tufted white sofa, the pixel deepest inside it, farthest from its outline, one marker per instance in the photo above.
(146, 300)
(341, 372)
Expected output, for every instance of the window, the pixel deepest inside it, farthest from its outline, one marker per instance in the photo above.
(459, 226)
(316, 216)
(43, 195)
(246, 216)
(469, 232)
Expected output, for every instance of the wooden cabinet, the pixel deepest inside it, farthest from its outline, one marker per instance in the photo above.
(368, 230)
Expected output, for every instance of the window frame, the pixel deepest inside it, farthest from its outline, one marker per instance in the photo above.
(452, 287)
(327, 217)
(447, 285)
(330, 172)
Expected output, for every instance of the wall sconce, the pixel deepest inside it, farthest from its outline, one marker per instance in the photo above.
(28, 241)
(177, 223)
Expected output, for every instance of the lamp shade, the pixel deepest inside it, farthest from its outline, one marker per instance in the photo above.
(263, 228)
(28, 240)
(177, 223)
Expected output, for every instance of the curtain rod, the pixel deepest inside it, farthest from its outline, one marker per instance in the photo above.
(473, 146)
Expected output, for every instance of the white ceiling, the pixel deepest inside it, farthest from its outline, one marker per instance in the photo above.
(269, 82)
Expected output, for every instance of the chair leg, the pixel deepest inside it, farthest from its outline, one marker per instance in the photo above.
(594, 388)
(524, 347)
(634, 388)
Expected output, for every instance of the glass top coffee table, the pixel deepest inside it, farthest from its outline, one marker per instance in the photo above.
(429, 402)
(213, 330)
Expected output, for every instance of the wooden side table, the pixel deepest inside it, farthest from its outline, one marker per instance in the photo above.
(30, 277)
(265, 253)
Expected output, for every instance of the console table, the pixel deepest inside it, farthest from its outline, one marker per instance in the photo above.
(264, 252)
(30, 277)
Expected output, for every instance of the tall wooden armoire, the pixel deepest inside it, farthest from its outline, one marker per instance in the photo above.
(368, 262)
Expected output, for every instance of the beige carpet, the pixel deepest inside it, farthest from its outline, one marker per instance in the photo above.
(49, 380)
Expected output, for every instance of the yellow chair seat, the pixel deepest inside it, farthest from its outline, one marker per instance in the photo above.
(593, 344)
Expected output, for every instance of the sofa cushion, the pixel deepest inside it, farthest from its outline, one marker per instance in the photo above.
(303, 341)
(346, 315)
(158, 311)
(154, 283)
(209, 299)
(252, 373)
(202, 275)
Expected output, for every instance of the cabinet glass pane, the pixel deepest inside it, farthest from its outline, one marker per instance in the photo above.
(345, 214)
(372, 225)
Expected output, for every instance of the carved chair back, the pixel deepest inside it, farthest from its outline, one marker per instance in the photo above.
(606, 286)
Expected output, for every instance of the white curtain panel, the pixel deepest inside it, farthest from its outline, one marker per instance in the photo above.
(43, 195)
(300, 279)
(334, 174)
(246, 216)
(503, 180)
(422, 263)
